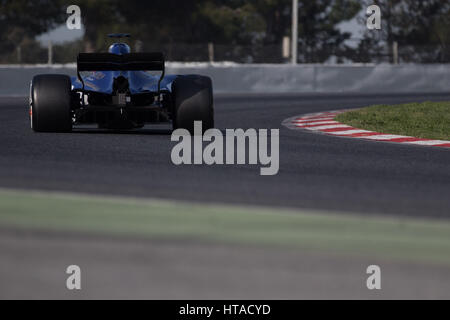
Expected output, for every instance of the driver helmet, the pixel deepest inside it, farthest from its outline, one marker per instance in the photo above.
(119, 48)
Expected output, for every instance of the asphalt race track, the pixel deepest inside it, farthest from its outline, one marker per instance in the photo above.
(316, 171)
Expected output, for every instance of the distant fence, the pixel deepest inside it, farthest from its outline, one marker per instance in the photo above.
(357, 50)
(277, 78)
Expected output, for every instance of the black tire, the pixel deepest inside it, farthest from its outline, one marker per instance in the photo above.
(50, 103)
(193, 101)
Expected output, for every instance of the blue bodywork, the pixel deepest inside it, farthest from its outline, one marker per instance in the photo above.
(122, 98)
(140, 82)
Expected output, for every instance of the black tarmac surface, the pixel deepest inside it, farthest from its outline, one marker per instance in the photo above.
(316, 171)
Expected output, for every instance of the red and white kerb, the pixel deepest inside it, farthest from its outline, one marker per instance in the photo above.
(324, 122)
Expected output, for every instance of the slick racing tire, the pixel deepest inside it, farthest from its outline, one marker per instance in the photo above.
(50, 103)
(193, 101)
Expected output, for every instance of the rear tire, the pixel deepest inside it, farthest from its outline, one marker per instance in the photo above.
(193, 101)
(50, 103)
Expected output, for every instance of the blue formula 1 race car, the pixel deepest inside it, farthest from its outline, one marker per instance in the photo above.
(120, 90)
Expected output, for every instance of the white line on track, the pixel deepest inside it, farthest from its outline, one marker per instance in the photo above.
(317, 123)
(336, 126)
(428, 142)
(349, 132)
(385, 137)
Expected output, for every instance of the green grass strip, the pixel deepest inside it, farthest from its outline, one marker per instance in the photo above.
(382, 237)
(428, 120)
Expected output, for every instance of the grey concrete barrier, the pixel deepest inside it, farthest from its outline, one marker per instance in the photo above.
(15, 80)
(271, 78)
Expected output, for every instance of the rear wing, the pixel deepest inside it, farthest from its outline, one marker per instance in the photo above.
(127, 62)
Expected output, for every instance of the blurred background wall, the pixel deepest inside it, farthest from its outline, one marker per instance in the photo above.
(245, 46)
